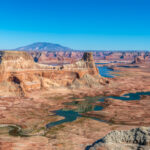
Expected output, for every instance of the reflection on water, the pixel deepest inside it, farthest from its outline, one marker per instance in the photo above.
(90, 105)
(105, 71)
(87, 105)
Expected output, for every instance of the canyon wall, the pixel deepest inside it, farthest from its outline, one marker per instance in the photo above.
(61, 57)
(21, 74)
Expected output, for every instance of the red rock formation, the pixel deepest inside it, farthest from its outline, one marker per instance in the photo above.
(20, 74)
(72, 56)
(138, 60)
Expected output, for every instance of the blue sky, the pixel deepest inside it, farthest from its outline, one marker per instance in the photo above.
(79, 24)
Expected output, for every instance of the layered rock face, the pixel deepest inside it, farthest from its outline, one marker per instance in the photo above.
(86, 64)
(12, 63)
(139, 60)
(60, 57)
(13, 60)
(20, 74)
(134, 139)
(88, 58)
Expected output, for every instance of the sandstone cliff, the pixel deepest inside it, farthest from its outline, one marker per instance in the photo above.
(20, 74)
(58, 57)
(138, 60)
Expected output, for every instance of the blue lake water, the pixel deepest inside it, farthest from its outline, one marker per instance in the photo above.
(88, 105)
(129, 66)
(105, 71)
(69, 116)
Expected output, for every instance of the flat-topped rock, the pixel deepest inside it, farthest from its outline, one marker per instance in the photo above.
(14, 55)
(11, 60)
(19, 71)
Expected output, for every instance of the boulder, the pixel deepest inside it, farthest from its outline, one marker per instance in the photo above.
(133, 139)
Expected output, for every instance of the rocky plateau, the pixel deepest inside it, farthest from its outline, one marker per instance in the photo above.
(20, 74)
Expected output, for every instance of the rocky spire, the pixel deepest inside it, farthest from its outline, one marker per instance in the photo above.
(88, 56)
(89, 60)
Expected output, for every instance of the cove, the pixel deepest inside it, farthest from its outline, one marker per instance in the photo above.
(88, 105)
(105, 71)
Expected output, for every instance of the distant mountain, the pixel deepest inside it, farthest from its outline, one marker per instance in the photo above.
(43, 46)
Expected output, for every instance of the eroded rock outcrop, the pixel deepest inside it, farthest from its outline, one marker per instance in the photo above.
(12, 65)
(133, 139)
(58, 57)
(138, 60)
(20, 73)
